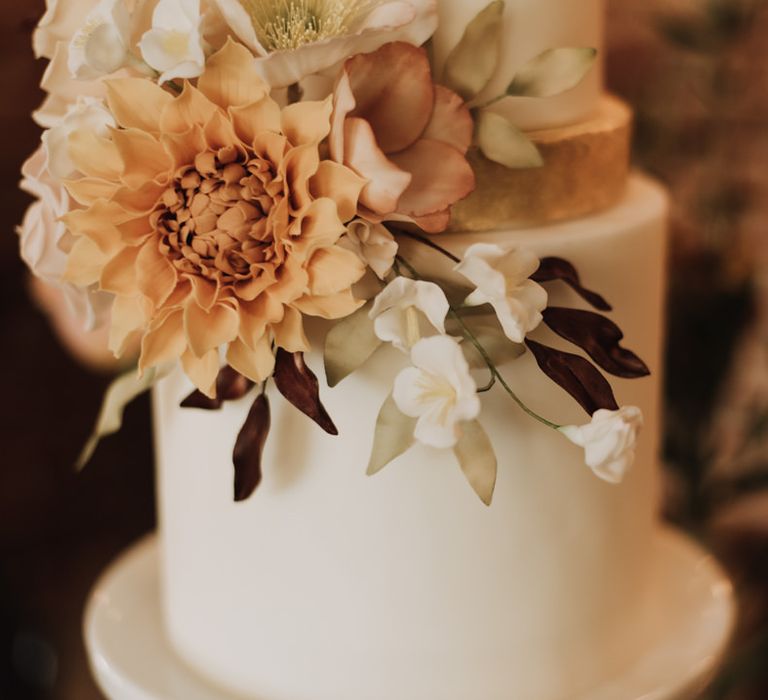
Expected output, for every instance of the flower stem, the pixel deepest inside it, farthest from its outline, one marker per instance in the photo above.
(495, 374)
(429, 243)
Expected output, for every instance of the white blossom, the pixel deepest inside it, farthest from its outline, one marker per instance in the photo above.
(101, 45)
(501, 279)
(89, 114)
(405, 309)
(174, 45)
(373, 244)
(438, 390)
(608, 441)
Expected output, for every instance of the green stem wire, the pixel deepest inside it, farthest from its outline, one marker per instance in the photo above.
(495, 374)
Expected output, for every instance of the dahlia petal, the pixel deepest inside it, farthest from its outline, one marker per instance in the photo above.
(307, 122)
(394, 93)
(129, 315)
(94, 155)
(299, 164)
(256, 364)
(98, 224)
(204, 291)
(329, 307)
(289, 333)
(89, 190)
(155, 275)
(203, 371)
(386, 181)
(135, 230)
(332, 270)
(254, 118)
(255, 316)
(451, 121)
(249, 289)
(183, 148)
(220, 133)
(320, 227)
(191, 107)
(137, 103)
(143, 156)
(207, 330)
(432, 189)
(84, 263)
(119, 274)
(341, 184)
(164, 342)
(138, 201)
(231, 78)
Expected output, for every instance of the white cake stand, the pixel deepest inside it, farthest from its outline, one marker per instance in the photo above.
(131, 659)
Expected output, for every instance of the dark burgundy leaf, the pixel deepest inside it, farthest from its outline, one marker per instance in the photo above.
(552, 269)
(599, 337)
(579, 377)
(231, 385)
(197, 399)
(300, 386)
(249, 449)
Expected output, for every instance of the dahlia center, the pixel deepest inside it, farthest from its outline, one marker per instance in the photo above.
(214, 218)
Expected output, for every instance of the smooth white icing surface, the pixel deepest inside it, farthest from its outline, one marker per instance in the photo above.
(530, 27)
(331, 585)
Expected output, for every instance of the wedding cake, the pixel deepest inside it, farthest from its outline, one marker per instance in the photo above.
(370, 274)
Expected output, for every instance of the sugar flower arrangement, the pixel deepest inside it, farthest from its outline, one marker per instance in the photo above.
(214, 172)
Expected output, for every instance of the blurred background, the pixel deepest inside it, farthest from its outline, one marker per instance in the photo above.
(697, 73)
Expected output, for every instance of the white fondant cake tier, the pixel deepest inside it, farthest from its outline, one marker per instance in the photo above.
(331, 585)
(531, 27)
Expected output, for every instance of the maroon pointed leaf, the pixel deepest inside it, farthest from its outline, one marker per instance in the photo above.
(231, 385)
(300, 386)
(197, 399)
(552, 269)
(249, 449)
(599, 337)
(579, 377)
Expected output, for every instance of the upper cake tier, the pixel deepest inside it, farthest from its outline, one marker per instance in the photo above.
(530, 27)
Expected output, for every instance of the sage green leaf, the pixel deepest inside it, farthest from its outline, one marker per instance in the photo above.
(119, 394)
(500, 349)
(349, 344)
(478, 460)
(473, 61)
(502, 142)
(393, 437)
(552, 72)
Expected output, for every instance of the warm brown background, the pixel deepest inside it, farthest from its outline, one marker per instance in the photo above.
(58, 530)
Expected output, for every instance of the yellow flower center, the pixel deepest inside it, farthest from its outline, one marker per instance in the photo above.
(289, 24)
(176, 44)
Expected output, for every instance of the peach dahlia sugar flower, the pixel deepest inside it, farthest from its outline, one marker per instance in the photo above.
(214, 220)
(405, 135)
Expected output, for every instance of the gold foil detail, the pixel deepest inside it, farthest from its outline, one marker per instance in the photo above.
(585, 170)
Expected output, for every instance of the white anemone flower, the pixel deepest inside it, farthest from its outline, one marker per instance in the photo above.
(608, 441)
(438, 390)
(101, 45)
(373, 244)
(293, 39)
(405, 309)
(501, 277)
(89, 114)
(174, 45)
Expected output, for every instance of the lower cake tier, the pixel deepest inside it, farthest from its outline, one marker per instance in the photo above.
(331, 585)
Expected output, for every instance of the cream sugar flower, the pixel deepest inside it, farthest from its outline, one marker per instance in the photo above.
(609, 441)
(101, 45)
(174, 45)
(293, 39)
(400, 311)
(213, 219)
(374, 245)
(501, 278)
(438, 390)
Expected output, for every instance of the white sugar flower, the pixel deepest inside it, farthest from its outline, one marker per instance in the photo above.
(438, 390)
(501, 278)
(373, 244)
(100, 46)
(293, 39)
(405, 308)
(174, 45)
(89, 114)
(61, 20)
(609, 441)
